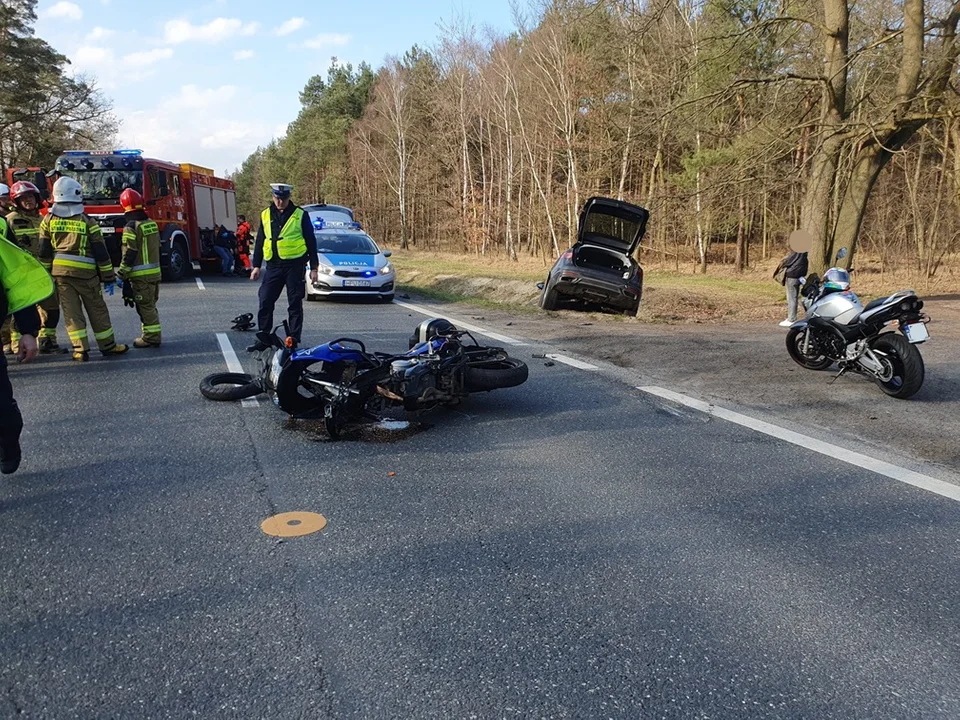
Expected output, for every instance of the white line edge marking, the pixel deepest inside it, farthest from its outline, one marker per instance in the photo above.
(572, 362)
(200, 284)
(233, 364)
(461, 324)
(894, 472)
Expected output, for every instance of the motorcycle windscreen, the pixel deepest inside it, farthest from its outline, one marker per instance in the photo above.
(612, 224)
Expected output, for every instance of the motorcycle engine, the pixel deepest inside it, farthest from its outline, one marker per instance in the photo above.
(827, 343)
(416, 381)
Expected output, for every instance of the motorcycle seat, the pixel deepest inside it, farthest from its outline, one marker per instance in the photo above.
(874, 303)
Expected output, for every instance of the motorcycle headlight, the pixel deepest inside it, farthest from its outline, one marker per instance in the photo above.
(386, 269)
(325, 269)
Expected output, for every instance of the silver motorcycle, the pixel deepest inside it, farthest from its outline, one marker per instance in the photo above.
(878, 340)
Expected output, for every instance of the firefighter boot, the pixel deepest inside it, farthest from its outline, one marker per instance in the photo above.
(7, 350)
(117, 349)
(141, 343)
(81, 355)
(48, 346)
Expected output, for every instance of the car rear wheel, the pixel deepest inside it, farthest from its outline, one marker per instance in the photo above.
(549, 299)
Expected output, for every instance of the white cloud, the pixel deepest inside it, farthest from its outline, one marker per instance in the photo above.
(325, 40)
(218, 30)
(91, 57)
(290, 26)
(63, 11)
(243, 55)
(211, 134)
(98, 34)
(148, 57)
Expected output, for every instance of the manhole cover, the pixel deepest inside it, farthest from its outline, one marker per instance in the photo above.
(292, 524)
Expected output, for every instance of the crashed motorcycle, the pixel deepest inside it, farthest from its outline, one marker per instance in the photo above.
(345, 385)
(839, 329)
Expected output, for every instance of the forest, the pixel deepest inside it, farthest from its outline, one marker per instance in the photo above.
(733, 121)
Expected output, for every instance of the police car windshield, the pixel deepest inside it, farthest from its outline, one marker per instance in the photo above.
(354, 243)
(105, 185)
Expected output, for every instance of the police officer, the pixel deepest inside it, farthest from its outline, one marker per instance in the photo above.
(24, 223)
(286, 242)
(140, 266)
(71, 246)
(28, 284)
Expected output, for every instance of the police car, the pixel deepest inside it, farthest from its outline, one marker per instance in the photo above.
(351, 263)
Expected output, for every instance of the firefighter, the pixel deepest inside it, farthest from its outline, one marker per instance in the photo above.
(6, 204)
(71, 247)
(286, 242)
(243, 245)
(140, 266)
(24, 224)
(23, 284)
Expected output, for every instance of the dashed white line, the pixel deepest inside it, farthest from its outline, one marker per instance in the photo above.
(461, 324)
(572, 362)
(894, 472)
(233, 364)
(200, 284)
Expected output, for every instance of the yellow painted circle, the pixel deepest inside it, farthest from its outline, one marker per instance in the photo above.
(292, 524)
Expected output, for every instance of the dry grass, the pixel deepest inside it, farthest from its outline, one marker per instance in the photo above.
(685, 296)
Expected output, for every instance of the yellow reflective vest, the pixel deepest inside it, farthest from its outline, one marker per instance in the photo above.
(24, 279)
(291, 244)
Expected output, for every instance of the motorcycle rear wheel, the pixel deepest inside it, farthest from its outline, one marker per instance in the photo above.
(795, 340)
(905, 364)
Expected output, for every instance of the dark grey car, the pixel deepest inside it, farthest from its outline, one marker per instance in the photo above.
(599, 269)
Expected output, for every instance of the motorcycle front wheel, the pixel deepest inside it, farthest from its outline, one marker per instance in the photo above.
(903, 366)
(796, 338)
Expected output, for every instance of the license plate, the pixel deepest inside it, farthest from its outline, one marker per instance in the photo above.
(916, 332)
(356, 283)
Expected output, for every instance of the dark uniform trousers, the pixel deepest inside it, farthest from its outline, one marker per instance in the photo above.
(10, 420)
(289, 274)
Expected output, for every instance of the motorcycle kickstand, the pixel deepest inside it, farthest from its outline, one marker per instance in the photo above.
(843, 371)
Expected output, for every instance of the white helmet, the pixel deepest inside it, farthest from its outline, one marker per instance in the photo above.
(67, 190)
(4, 190)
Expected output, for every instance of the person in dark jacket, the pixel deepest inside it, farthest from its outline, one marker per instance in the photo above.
(286, 242)
(224, 244)
(794, 266)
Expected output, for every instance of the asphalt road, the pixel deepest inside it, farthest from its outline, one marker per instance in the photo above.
(572, 548)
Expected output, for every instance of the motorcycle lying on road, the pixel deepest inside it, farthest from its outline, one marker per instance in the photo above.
(346, 385)
(839, 329)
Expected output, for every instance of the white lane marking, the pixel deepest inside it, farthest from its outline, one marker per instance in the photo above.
(894, 472)
(233, 364)
(572, 362)
(200, 284)
(461, 324)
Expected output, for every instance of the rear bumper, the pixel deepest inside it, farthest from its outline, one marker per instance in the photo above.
(582, 287)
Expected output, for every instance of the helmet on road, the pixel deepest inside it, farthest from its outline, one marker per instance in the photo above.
(67, 190)
(281, 190)
(836, 279)
(22, 188)
(429, 329)
(131, 200)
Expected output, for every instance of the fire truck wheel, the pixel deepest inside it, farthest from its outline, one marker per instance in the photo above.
(178, 265)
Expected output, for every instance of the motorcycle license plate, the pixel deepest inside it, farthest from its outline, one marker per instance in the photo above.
(356, 283)
(916, 332)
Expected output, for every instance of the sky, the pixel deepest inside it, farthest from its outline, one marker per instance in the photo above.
(208, 81)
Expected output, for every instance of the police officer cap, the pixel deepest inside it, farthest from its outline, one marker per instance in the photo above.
(281, 190)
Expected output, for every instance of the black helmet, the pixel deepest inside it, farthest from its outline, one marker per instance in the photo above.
(429, 329)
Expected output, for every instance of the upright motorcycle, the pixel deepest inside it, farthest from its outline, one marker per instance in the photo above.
(346, 385)
(878, 340)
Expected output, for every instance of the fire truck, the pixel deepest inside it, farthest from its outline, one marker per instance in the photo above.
(187, 201)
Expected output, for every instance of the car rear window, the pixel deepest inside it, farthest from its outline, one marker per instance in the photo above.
(346, 244)
(614, 227)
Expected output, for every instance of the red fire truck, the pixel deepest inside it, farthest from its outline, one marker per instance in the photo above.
(186, 201)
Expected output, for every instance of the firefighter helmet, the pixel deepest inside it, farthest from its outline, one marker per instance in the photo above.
(67, 190)
(22, 188)
(131, 200)
(4, 190)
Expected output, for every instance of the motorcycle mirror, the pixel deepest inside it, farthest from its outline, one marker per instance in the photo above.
(841, 253)
(539, 286)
